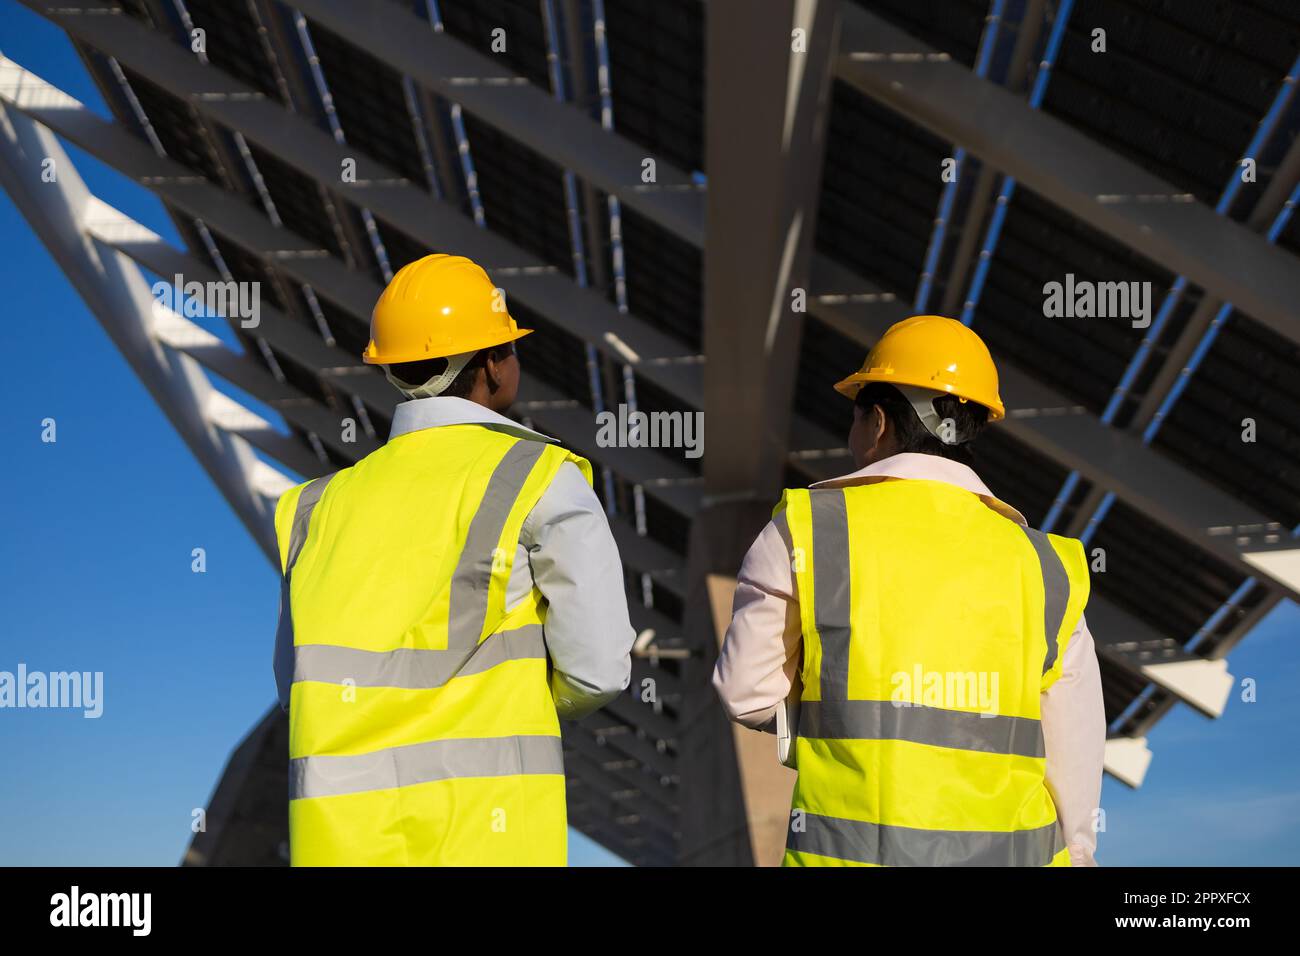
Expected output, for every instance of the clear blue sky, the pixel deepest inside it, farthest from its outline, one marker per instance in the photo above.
(95, 565)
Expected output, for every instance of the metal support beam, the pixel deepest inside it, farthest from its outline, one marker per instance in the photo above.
(717, 832)
(764, 137)
(603, 750)
(614, 796)
(62, 213)
(154, 253)
(981, 195)
(1073, 172)
(1148, 654)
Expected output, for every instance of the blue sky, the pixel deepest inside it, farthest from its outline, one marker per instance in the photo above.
(95, 563)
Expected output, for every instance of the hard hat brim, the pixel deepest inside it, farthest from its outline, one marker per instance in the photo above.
(371, 357)
(849, 388)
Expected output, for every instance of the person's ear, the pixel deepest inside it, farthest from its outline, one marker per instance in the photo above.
(492, 371)
(879, 423)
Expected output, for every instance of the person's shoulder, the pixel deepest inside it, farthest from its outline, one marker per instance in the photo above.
(569, 493)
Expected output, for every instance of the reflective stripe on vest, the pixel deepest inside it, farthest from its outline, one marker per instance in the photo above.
(306, 504)
(330, 776)
(412, 668)
(831, 557)
(846, 743)
(471, 580)
(1056, 591)
(885, 720)
(863, 842)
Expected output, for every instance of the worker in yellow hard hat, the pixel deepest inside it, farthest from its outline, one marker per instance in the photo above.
(444, 602)
(919, 652)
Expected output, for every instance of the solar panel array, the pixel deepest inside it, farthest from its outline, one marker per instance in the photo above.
(1181, 92)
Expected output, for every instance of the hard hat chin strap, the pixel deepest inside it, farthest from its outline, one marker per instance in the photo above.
(922, 400)
(436, 385)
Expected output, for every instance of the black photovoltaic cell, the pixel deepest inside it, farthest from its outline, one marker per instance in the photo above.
(880, 190)
(370, 105)
(522, 194)
(297, 201)
(666, 526)
(1083, 357)
(824, 358)
(550, 353)
(523, 34)
(951, 26)
(177, 127)
(1145, 382)
(246, 267)
(233, 43)
(656, 53)
(1157, 576)
(1019, 475)
(400, 248)
(306, 380)
(1250, 373)
(351, 333)
(664, 278)
(650, 398)
(1180, 88)
(1119, 688)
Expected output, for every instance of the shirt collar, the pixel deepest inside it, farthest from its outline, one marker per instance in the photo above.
(418, 413)
(926, 468)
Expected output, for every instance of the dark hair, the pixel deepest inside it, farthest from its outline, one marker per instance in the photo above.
(968, 418)
(416, 374)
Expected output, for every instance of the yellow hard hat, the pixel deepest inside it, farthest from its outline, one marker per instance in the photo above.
(930, 351)
(434, 307)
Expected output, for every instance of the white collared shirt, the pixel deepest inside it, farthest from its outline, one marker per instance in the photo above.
(760, 656)
(418, 413)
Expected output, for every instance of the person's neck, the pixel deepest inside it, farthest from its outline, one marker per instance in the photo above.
(879, 453)
(481, 396)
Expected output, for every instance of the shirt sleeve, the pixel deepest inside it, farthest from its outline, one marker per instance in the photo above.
(760, 655)
(576, 566)
(1074, 735)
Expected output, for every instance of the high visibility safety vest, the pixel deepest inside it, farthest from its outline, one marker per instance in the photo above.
(422, 730)
(931, 625)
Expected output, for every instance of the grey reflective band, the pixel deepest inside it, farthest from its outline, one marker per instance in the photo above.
(862, 842)
(413, 669)
(307, 499)
(332, 776)
(830, 533)
(473, 574)
(1056, 592)
(886, 720)
(782, 525)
